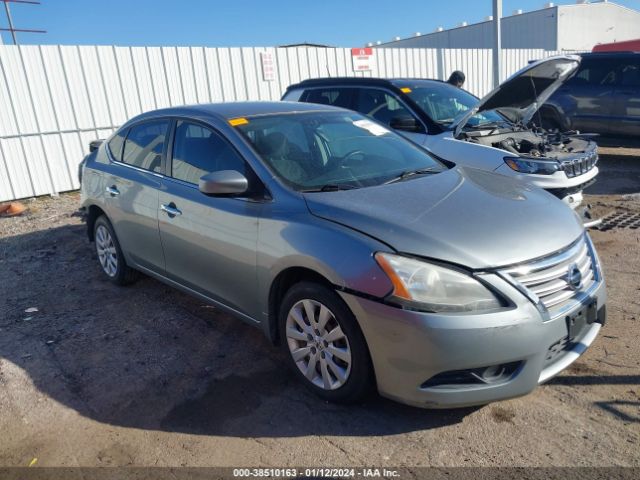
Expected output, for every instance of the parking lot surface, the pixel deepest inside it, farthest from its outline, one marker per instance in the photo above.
(97, 375)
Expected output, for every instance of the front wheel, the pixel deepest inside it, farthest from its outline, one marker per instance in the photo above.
(552, 123)
(324, 343)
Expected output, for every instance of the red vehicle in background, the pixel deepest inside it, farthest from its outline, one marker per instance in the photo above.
(626, 46)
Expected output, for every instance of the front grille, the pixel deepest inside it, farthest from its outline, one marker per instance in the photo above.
(580, 165)
(552, 280)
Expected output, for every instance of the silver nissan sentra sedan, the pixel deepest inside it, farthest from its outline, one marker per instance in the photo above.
(372, 263)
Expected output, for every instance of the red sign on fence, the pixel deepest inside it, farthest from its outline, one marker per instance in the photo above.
(268, 67)
(362, 59)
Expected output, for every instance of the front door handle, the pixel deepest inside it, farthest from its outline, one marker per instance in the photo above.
(113, 191)
(170, 209)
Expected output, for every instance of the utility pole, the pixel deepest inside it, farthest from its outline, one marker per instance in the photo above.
(497, 41)
(11, 28)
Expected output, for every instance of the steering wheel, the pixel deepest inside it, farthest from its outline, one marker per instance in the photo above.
(345, 159)
(373, 112)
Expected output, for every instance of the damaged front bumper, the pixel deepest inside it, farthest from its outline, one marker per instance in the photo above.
(444, 360)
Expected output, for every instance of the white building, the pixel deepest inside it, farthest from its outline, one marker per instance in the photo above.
(577, 26)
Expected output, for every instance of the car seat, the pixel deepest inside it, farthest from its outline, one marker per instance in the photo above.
(276, 150)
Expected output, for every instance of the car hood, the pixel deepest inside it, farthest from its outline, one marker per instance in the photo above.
(520, 96)
(464, 216)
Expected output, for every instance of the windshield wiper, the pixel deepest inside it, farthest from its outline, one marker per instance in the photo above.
(411, 173)
(331, 187)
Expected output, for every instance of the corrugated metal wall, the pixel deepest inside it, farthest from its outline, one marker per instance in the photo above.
(55, 99)
(536, 29)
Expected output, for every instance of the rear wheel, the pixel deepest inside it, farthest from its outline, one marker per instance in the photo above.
(324, 343)
(110, 254)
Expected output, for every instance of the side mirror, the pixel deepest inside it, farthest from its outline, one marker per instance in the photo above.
(95, 145)
(406, 123)
(224, 182)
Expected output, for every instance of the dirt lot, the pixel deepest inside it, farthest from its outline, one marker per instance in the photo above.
(145, 375)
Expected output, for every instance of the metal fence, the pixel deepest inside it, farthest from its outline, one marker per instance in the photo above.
(55, 99)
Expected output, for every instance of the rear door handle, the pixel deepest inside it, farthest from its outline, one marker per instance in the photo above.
(113, 191)
(170, 209)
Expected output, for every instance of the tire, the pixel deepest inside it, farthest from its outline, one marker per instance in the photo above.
(552, 124)
(316, 349)
(110, 257)
(551, 119)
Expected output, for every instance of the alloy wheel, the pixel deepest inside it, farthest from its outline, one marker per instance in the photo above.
(318, 345)
(106, 249)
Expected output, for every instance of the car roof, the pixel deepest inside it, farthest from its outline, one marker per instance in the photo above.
(369, 81)
(229, 110)
(407, 82)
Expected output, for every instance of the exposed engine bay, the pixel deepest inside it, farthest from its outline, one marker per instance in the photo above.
(535, 142)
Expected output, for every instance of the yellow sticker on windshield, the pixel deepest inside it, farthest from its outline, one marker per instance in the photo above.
(405, 90)
(234, 122)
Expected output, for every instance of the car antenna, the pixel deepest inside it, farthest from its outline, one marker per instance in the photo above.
(328, 71)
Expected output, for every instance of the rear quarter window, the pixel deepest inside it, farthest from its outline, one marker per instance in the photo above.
(116, 143)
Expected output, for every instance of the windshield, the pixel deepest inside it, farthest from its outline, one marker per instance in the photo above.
(445, 103)
(333, 150)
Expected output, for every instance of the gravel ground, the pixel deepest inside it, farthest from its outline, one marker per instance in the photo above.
(145, 375)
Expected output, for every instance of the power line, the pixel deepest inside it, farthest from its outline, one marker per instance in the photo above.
(11, 28)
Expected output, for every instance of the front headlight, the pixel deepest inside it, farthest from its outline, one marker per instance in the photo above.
(434, 288)
(532, 165)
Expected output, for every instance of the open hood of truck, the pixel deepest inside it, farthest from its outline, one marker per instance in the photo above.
(522, 94)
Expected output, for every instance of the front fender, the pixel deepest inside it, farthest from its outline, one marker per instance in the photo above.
(341, 255)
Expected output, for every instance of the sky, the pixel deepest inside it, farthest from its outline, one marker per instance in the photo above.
(230, 23)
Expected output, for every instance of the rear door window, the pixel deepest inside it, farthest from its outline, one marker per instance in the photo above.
(334, 96)
(596, 72)
(144, 145)
(630, 74)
